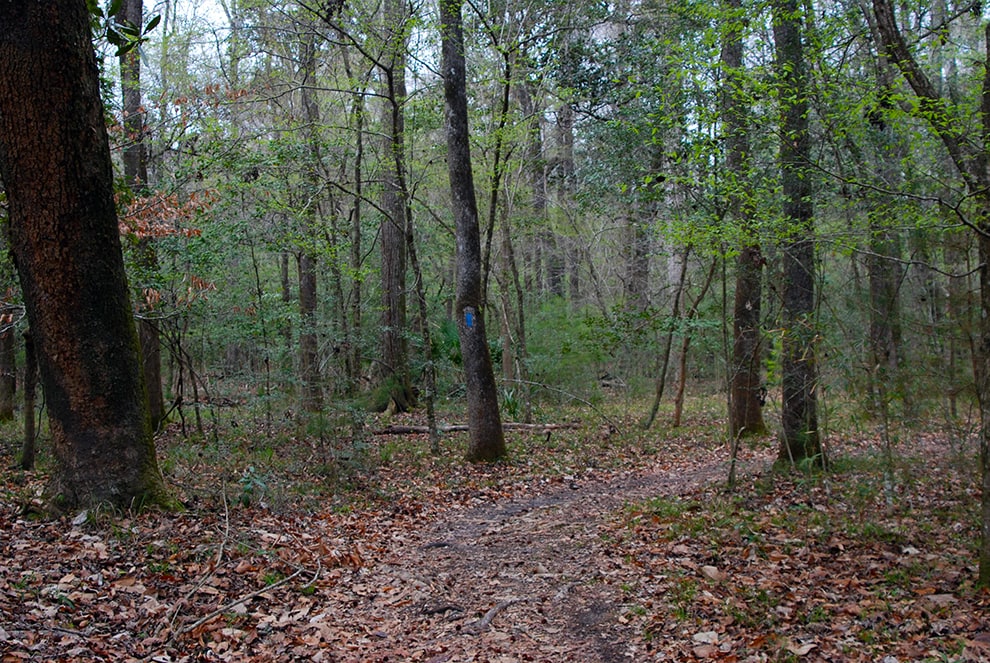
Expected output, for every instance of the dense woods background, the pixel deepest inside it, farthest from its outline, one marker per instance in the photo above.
(340, 219)
(293, 234)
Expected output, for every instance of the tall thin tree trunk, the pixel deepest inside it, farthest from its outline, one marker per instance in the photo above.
(800, 438)
(285, 287)
(309, 359)
(352, 345)
(353, 342)
(745, 381)
(135, 158)
(394, 367)
(8, 372)
(487, 442)
(29, 450)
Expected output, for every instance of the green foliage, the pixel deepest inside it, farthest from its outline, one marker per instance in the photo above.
(252, 486)
(123, 34)
(511, 404)
(562, 350)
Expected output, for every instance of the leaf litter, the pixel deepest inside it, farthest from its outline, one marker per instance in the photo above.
(580, 550)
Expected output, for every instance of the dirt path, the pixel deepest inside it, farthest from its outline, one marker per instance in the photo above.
(529, 579)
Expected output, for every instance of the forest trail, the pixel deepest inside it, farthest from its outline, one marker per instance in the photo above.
(458, 563)
(532, 578)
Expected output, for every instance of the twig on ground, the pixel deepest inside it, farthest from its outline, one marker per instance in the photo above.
(478, 627)
(230, 605)
(440, 608)
(173, 614)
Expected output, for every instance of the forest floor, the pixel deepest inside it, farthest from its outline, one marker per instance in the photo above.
(592, 544)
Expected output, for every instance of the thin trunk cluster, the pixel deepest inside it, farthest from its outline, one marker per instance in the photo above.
(972, 164)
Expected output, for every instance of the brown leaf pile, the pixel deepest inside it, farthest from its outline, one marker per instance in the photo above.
(580, 550)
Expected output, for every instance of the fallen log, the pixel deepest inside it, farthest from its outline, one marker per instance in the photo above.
(455, 428)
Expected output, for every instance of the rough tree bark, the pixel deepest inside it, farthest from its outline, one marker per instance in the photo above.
(487, 441)
(65, 243)
(800, 440)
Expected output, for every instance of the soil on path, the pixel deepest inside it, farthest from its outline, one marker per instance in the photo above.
(530, 579)
(537, 575)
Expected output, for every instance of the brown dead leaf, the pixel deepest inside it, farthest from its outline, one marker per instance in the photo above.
(941, 600)
(800, 649)
(705, 651)
(712, 573)
(244, 566)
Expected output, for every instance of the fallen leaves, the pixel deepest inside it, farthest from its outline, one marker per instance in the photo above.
(534, 560)
(808, 571)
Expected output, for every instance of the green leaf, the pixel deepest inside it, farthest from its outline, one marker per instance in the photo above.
(153, 23)
(115, 7)
(115, 37)
(129, 29)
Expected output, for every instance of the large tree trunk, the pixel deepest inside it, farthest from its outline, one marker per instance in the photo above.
(486, 439)
(135, 158)
(800, 440)
(65, 243)
(745, 381)
(746, 414)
